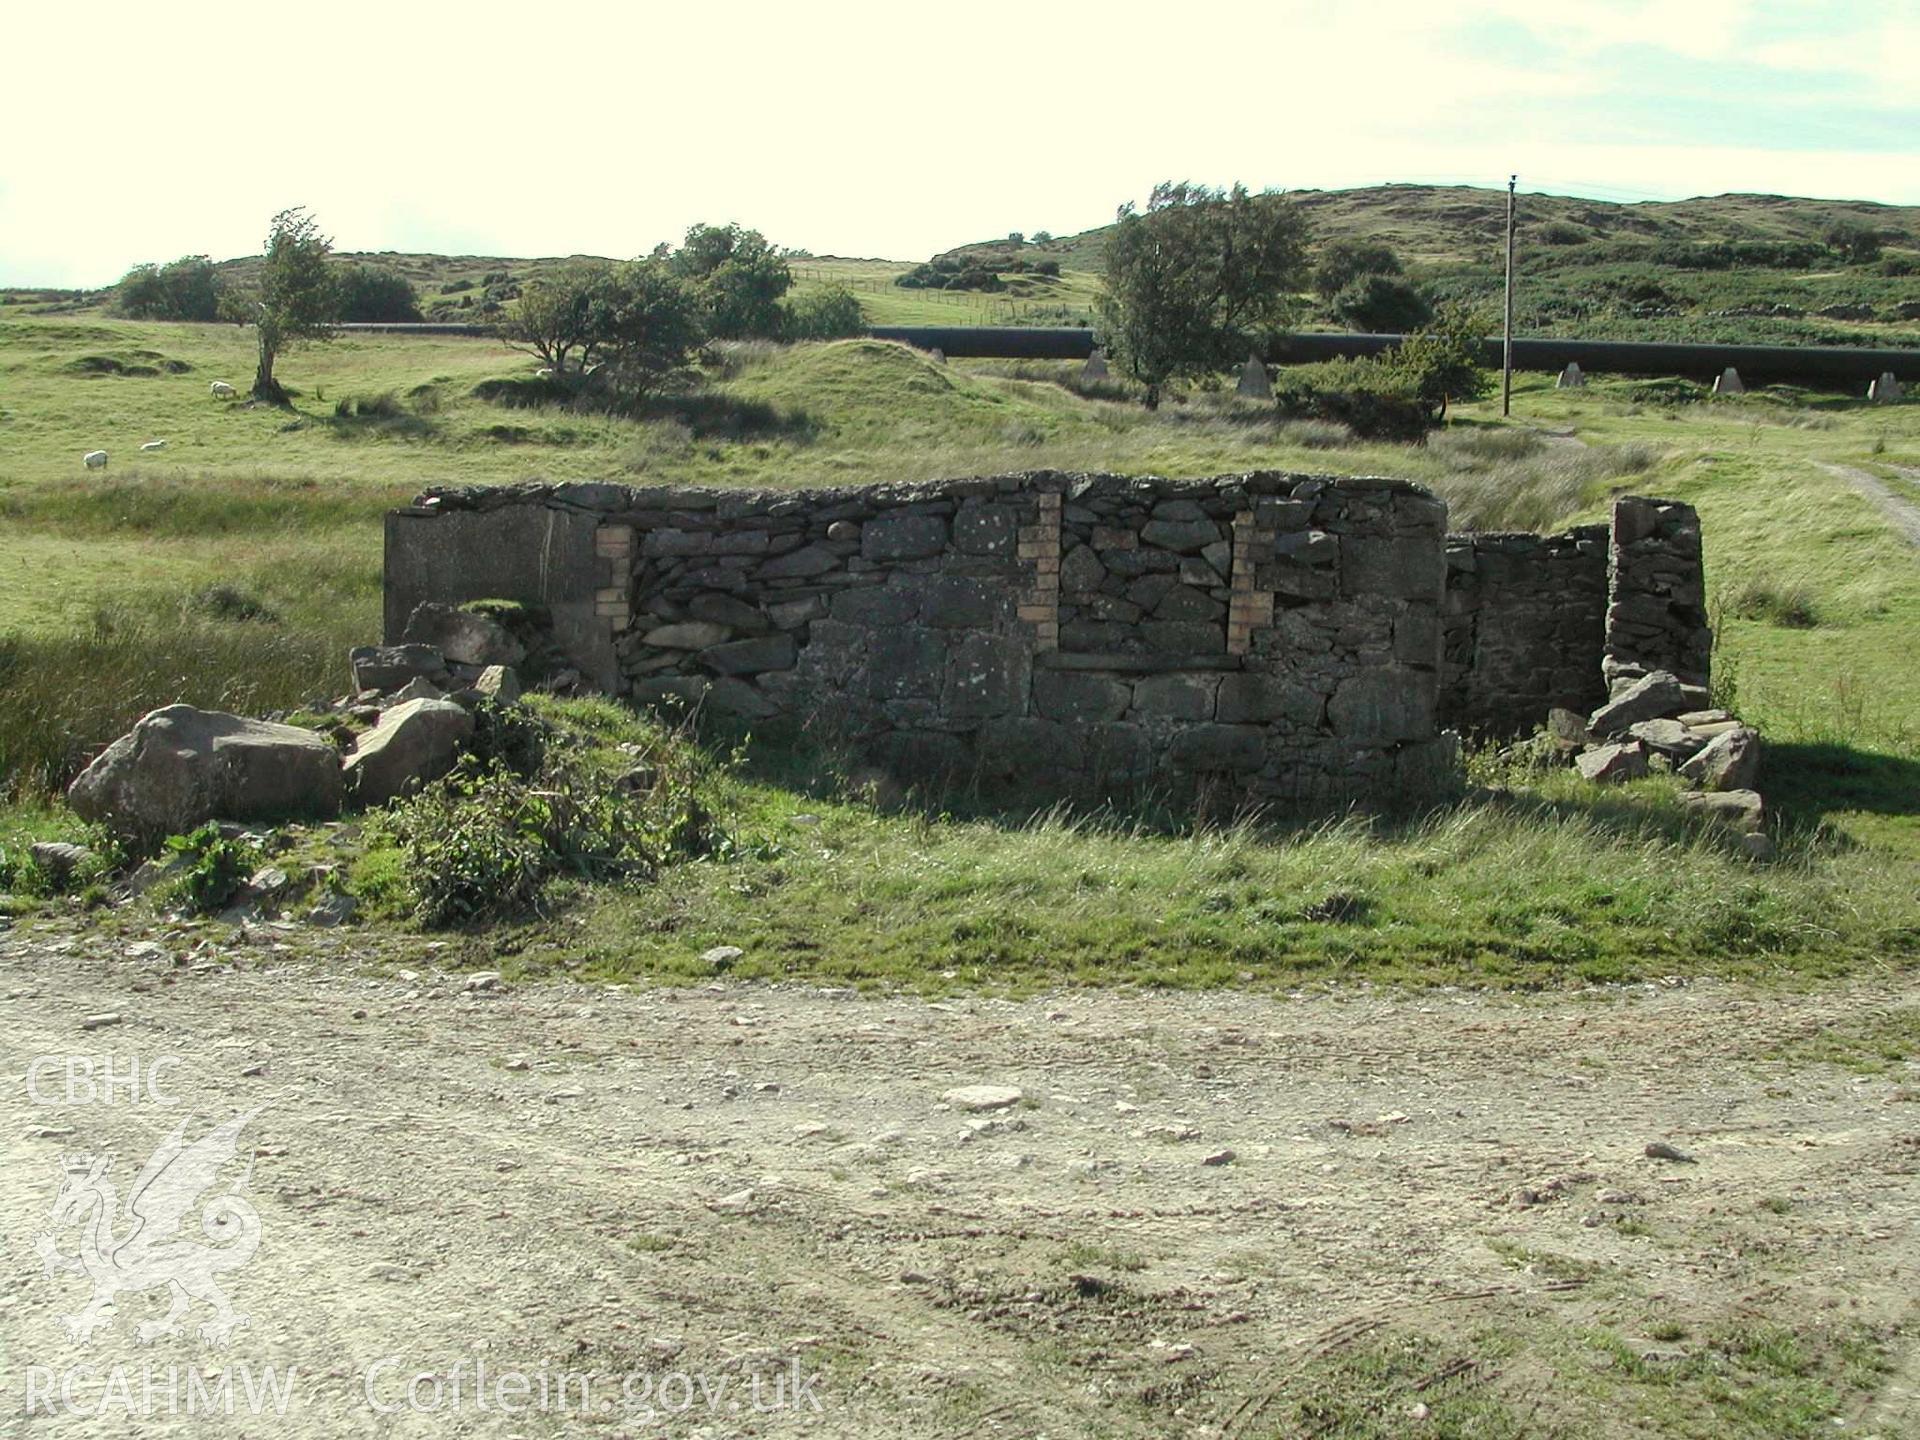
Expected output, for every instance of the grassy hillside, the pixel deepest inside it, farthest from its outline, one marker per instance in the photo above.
(234, 568)
(1589, 268)
(1607, 271)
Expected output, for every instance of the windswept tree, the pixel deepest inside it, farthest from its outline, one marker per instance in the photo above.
(739, 277)
(1198, 279)
(635, 325)
(293, 300)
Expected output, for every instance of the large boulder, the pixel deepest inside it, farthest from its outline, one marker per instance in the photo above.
(180, 767)
(463, 637)
(1730, 761)
(1613, 764)
(413, 744)
(386, 668)
(1653, 697)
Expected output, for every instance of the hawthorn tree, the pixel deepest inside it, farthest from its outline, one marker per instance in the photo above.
(1198, 279)
(740, 279)
(635, 326)
(293, 299)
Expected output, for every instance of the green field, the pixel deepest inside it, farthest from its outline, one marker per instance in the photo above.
(110, 603)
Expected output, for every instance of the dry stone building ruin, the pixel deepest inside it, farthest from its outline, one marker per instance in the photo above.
(1296, 637)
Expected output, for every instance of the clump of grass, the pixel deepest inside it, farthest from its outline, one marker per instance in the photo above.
(1789, 604)
(383, 406)
(1515, 480)
(221, 601)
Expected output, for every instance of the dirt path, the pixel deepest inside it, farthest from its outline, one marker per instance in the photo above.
(1904, 514)
(739, 1180)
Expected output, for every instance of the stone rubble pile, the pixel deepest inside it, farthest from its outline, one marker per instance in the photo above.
(1657, 723)
(407, 722)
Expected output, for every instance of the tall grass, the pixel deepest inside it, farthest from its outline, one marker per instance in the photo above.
(64, 695)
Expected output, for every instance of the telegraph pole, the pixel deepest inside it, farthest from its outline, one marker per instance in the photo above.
(1506, 349)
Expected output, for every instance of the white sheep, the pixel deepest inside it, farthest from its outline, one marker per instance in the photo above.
(95, 459)
(223, 391)
(543, 373)
(153, 445)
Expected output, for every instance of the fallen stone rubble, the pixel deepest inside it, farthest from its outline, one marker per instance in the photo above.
(1655, 723)
(407, 722)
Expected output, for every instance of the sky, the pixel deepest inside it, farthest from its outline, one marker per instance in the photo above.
(136, 132)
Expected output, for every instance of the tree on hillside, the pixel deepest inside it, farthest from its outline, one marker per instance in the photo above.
(183, 289)
(739, 277)
(832, 312)
(635, 326)
(1199, 278)
(1382, 304)
(1440, 363)
(1855, 243)
(1342, 262)
(373, 295)
(293, 300)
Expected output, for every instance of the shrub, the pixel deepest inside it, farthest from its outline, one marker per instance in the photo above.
(830, 314)
(1382, 304)
(1441, 363)
(185, 289)
(1363, 395)
(1561, 232)
(384, 406)
(1046, 267)
(1853, 242)
(738, 277)
(1904, 263)
(213, 868)
(483, 841)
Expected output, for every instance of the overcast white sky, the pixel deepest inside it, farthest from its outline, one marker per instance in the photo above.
(134, 132)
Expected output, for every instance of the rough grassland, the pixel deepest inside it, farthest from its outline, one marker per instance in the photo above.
(109, 607)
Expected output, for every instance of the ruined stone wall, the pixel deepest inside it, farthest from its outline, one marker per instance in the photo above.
(1294, 637)
(1656, 594)
(1525, 624)
(1061, 632)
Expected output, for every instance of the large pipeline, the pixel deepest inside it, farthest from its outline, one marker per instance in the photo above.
(1758, 364)
(1762, 364)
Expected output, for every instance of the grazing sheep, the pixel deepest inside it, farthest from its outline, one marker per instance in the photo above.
(153, 445)
(543, 373)
(223, 391)
(95, 459)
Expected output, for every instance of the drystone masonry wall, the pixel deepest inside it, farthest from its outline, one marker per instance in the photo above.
(1287, 636)
(1525, 622)
(1656, 599)
(1065, 633)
